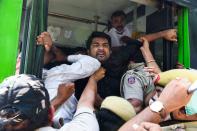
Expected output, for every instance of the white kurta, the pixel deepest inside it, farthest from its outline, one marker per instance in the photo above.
(84, 120)
(115, 37)
(82, 66)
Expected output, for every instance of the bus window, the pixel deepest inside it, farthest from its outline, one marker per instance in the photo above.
(70, 22)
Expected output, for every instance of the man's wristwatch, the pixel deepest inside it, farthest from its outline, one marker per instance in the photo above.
(158, 107)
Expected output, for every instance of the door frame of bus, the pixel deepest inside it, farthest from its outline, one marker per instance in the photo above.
(183, 36)
(161, 20)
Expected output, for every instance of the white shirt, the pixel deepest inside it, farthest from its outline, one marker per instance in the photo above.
(83, 66)
(115, 36)
(84, 120)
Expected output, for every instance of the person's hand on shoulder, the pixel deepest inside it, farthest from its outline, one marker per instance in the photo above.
(99, 74)
(45, 39)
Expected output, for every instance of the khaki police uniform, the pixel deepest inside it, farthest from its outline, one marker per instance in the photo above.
(136, 83)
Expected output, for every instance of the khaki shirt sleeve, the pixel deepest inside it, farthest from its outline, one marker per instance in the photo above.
(132, 87)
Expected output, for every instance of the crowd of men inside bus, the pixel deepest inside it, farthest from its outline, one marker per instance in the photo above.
(113, 84)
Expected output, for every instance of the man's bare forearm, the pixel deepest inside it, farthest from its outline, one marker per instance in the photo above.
(56, 102)
(150, 61)
(89, 94)
(145, 116)
(169, 34)
(154, 36)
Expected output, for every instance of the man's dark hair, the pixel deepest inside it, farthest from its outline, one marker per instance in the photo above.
(64, 50)
(96, 34)
(108, 121)
(118, 13)
(82, 50)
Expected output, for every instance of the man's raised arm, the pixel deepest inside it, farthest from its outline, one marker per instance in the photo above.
(88, 96)
(170, 35)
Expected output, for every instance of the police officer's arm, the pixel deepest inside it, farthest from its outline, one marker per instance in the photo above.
(137, 104)
(173, 97)
(169, 34)
(150, 61)
(132, 90)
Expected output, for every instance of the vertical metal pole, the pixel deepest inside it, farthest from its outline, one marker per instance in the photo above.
(180, 36)
(32, 55)
(167, 45)
(134, 27)
(10, 14)
(183, 37)
(186, 38)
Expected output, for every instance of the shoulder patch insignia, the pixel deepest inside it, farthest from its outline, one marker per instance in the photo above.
(131, 80)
